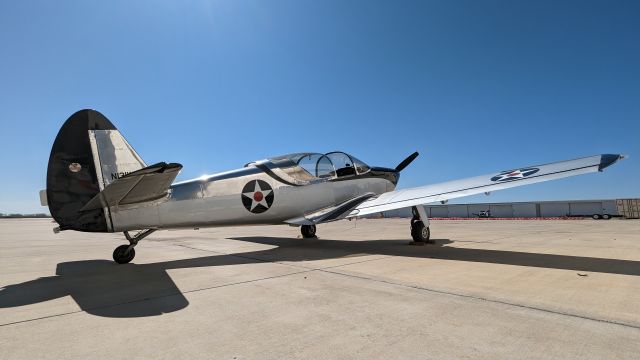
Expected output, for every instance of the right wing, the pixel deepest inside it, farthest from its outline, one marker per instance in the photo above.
(483, 184)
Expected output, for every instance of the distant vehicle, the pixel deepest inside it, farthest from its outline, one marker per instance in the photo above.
(628, 208)
(96, 182)
(483, 214)
(607, 209)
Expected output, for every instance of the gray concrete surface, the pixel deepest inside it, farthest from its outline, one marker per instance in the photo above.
(487, 289)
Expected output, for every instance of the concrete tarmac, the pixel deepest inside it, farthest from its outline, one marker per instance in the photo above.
(485, 290)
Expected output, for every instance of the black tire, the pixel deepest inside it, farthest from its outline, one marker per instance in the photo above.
(308, 231)
(596, 216)
(419, 232)
(606, 217)
(121, 256)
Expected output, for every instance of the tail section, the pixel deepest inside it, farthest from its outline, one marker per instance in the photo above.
(88, 154)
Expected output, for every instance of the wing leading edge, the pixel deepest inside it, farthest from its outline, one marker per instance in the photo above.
(486, 183)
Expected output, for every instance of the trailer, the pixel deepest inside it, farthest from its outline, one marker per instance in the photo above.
(628, 208)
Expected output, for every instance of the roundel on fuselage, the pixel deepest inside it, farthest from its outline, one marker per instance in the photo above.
(257, 196)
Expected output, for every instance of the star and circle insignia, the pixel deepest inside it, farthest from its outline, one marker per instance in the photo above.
(257, 196)
(515, 174)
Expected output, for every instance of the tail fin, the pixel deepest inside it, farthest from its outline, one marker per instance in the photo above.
(87, 155)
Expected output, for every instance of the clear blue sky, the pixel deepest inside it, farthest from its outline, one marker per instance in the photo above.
(475, 86)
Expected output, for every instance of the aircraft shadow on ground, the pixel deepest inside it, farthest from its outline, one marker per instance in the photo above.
(103, 288)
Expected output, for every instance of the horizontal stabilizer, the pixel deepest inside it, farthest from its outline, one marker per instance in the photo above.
(147, 184)
(332, 213)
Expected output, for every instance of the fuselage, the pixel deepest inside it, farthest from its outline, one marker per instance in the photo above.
(232, 198)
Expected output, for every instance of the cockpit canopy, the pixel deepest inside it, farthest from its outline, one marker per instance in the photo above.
(310, 166)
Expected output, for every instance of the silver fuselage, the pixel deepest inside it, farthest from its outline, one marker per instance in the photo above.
(216, 200)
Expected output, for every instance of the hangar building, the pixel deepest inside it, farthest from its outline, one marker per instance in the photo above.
(628, 208)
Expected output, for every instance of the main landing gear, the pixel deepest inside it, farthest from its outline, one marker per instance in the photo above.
(420, 227)
(125, 253)
(308, 231)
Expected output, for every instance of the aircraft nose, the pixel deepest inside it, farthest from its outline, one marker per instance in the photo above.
(396, 177)
(390, 174)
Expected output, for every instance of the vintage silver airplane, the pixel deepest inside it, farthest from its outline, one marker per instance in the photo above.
(96, 182)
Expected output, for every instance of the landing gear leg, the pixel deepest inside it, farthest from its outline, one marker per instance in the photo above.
(125, 253)
(308, 231)
(420, 226)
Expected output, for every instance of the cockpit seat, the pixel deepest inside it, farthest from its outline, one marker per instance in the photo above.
(346, 171)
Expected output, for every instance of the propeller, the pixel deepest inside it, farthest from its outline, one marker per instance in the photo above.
(407, 161)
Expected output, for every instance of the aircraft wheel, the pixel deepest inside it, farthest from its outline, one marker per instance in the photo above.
(122, 256)
(606, 217)
(596, 216)
(419, 232)
(308, 231)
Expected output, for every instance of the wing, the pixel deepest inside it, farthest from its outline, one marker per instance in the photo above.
(481, 184)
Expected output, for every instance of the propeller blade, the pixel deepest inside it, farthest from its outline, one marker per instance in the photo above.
(407, 161)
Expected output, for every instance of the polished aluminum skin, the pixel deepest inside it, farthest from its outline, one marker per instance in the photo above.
(217, 200)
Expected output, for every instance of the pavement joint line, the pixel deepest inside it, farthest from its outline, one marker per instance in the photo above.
(166, 295)
(287, 263)
(307, 269)
(157, 297)
(41, 318)
(327, 270)
(382, 257)
(442, 292)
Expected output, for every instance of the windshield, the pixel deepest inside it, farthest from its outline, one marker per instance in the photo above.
(347, 165)
(342, 163)
(304, 166)
(361, 167)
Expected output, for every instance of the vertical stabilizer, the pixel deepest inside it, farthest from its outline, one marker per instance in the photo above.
(87, 155)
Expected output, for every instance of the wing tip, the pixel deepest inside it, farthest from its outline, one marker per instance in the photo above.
(607, 160)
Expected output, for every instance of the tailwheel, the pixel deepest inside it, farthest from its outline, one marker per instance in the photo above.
(420, 233)
(308, 231)
(123, 254)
